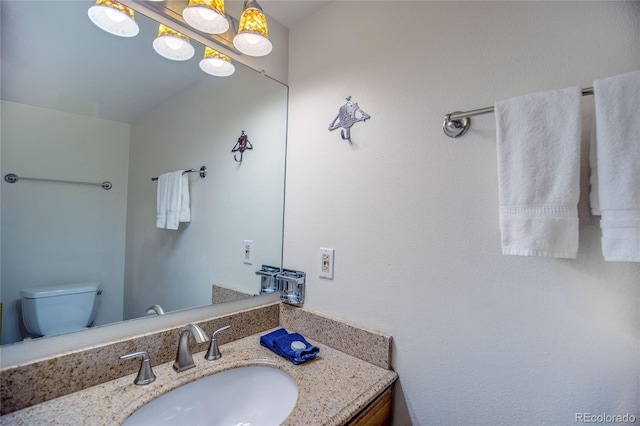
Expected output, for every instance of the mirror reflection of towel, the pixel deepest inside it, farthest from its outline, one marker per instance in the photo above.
(185, 201)
(161, 201)
(172, 204)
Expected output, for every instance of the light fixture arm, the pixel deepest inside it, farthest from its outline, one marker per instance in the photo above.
(161, 13)
(253, 4)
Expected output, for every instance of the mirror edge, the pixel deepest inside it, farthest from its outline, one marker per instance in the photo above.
(26, 351)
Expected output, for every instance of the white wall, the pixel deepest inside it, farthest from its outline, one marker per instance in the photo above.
(235, 202)
(59, 233)
(480, 338)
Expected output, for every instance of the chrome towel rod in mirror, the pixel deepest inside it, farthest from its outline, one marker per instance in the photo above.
(457, 123)
(13, 178)
(202, 172)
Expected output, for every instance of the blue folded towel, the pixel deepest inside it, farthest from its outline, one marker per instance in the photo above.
(289, 346)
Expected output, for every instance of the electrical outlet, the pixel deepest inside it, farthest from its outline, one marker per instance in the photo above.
(248, 252)
(326, 263)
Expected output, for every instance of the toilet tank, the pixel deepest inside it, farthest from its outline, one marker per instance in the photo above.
(59, 309)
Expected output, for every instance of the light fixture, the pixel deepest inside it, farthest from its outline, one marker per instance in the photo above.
(114, 18)
(216, 63)
(172, 44)
(253, 34)
(207, 16)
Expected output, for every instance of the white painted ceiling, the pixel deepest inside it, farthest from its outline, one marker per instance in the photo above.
(289, 12)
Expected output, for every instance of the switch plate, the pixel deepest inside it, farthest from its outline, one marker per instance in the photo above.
(326, 263)
(248, 252)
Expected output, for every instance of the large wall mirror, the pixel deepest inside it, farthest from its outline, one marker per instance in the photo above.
(80, 104)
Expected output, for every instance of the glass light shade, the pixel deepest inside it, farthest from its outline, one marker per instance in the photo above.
(253, 34)
(216, 63)
(173, 45)
(114, 18)
(207, 16)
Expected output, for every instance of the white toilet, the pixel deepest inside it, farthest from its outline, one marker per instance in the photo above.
(52, 310)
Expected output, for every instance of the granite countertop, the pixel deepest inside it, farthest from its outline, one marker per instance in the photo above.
(332, 388)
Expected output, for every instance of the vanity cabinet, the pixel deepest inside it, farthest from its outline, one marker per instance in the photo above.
(377, 413)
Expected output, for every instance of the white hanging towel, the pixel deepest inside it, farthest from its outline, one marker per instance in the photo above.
(617, 102)
(174, 199)
(594, 194)
(538, 145)
(185, 200)
(172, 204)
(161, 200)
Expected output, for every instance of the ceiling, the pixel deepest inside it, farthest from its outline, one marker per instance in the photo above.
(287, 12)
(290, 12)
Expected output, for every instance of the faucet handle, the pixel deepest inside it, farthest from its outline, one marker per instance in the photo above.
(214, 353)
(145, 374)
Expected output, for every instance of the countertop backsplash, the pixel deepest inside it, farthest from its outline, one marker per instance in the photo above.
(32, 383)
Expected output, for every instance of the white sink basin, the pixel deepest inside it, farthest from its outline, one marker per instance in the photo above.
(239, 397)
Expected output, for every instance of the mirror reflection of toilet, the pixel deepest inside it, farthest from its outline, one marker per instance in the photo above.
(52, 310)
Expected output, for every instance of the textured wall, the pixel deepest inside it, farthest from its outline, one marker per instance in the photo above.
(480, 338)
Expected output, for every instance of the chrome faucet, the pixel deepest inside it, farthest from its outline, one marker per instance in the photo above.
(214, 352)
(155, 310)
(184, 359)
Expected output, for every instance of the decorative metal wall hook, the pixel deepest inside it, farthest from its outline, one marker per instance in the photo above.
(241, 146)
(349, 114)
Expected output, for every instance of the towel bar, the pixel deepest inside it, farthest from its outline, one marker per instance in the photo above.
(13, 178)
(202, 172)
(457, 123)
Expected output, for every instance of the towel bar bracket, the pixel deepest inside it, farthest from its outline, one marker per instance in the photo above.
(455, 128)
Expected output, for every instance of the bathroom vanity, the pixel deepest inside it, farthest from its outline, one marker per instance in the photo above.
(333, 389)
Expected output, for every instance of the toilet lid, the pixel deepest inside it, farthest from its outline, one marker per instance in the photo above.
(59, 290)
